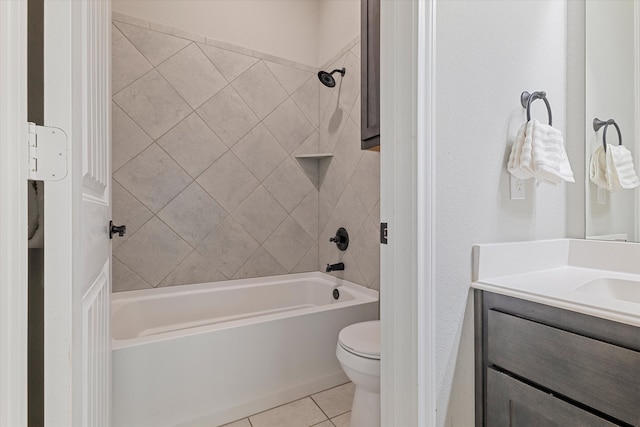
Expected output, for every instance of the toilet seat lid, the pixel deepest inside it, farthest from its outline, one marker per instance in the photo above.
(362, 339)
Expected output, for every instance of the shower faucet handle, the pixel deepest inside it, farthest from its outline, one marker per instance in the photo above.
(116, 229)
(341, 239)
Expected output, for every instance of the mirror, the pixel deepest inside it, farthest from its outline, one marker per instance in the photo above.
(612, 76)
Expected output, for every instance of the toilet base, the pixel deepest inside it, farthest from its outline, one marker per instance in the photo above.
(365, 411)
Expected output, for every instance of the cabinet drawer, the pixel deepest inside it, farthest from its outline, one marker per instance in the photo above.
(600, 375)
(514, 403)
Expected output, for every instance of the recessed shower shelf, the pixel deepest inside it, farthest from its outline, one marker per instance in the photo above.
(317, 156)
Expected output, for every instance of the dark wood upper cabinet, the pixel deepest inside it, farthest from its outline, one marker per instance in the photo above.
(370, 39)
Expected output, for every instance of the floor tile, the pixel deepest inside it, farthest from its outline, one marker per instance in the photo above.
(301, 413)
(239, 423)
(343, 420)
(335, 401)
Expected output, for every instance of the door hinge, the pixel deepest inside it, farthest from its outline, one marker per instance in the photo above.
(47, 153)
(383, 233)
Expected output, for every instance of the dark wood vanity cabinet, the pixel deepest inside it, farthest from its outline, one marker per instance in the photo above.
(370, 74)
(538, 365)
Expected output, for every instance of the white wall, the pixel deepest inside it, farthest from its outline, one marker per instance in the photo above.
(610, 94)
(305, 31)
(284, 28)
(338, 24)
(487, 53)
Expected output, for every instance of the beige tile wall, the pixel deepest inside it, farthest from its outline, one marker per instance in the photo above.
(204, 139)
(350, 182)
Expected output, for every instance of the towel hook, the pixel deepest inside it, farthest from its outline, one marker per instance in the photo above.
(526, 99)
(597, 124)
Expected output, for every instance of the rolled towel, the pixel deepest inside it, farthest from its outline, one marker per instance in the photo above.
(514, 166)
(598, 168)
(623, 172)
(549, 161)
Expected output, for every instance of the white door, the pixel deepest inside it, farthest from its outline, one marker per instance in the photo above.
(77, 40)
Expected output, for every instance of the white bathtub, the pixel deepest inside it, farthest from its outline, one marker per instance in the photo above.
(208, 354)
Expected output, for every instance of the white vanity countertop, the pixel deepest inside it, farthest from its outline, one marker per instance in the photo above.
(549, 272)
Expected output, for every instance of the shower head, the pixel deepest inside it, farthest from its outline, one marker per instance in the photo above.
(327, 78)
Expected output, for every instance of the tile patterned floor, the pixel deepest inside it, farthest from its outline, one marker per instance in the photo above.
(329, 408)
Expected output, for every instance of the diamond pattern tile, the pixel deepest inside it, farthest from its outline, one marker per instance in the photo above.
(350, 84)
(231, 64)
(193, 145)
(366, 179)
(192, 75)
(332, 184)
(153, 251)
(228, 115)
(332, 123)
(259, 151)
(194, 269)
(254, 210)
(126, 280)
(228, 181)
(306, 213)
(127, 63)
(261, 264)
(289, 243)
(127, 139)
(289, 125)
(155, 46)
(154, 105)
(127, 210)
(228, 247)
(347, 151)
(260, 89)
(290, 78)
(153, 178)
(307, 97)
(288, 184)
(366, 251)
(350, 211)
(193, 214)
(309, 262)
(260, 214)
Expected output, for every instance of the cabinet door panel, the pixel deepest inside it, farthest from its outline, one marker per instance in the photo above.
(600, 375)
(511, 403)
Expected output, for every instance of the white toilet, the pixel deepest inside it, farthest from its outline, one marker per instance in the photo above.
(359, 354)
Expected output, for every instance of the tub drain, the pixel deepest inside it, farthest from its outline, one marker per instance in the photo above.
(336, 294)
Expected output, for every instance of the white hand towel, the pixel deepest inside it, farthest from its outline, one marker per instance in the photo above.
(514, 166)
(598, 168)
(623, 172)
(549, 161)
